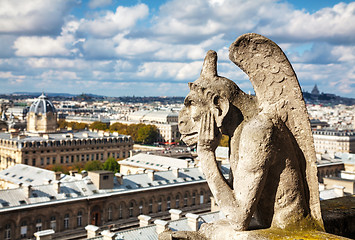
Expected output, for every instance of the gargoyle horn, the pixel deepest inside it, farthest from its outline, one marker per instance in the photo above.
(209, 68)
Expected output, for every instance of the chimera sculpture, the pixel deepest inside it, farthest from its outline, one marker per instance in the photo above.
(272, 159)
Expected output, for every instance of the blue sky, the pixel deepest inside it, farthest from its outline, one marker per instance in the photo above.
(154, 48)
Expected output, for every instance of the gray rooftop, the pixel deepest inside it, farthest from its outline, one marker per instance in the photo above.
(149, 232)
(75, 189)
(155, 162)
(60, 136)
(29, 175)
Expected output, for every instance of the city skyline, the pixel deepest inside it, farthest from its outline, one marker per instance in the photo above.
(153, 48)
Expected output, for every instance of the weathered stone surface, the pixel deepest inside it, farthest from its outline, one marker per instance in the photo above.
(272, 157)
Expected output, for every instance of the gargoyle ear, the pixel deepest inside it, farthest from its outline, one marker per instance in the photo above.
(220, 109)
(209, 68)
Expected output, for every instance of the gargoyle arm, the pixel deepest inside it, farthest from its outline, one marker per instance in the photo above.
(252, 169)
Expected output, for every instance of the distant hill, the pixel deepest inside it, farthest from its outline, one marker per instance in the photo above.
(327, 99)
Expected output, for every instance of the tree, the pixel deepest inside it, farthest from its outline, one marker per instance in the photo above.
(93, 165)
(111, 165)
(98, 125)
(147, 134)
(224, 141)
(62, 123)
(121, 128)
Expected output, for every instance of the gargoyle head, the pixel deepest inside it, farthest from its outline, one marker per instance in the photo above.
(209, 93)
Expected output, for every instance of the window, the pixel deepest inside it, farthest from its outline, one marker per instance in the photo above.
(61, 159)
(38, 225)
(53, 223)
(150, 206)
(168, 203)
(66, 221)
(72, 158)
(193, 198)
(106, 177)
(80, 219)
(23, 229)
(33, 162)
(120, 211)
(7, 231)
(67, 159)
(159, 205)
(140, 208)
(201, 197)
(109, 213)
(48, 161)
(131, 209)
(177, 202)
(53, 160)
(185, 200)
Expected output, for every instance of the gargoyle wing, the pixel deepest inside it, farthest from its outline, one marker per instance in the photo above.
(276, 84)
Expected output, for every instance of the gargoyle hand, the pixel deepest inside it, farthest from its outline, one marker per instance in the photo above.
(209, 136)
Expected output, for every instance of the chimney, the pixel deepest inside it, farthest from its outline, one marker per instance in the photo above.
(44, 235)
(28, 190)
(150, 174)
(339, 190)
(144, 220)
(119, 177)
(192, 221)
(160, 226)
(57, 176)
(175, 171)
(57, 186)
(84, 173)
(91, 231)
(175, 214)
(72, 172)
(108, 235)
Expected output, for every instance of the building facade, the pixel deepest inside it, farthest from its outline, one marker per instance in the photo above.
(331, 141)
(69, 206)
(61, 148)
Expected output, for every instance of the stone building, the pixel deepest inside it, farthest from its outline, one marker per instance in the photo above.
(68, 205)
(332, 140)
(42, 116)
(165, 121)
(41, 145)
(61, 148)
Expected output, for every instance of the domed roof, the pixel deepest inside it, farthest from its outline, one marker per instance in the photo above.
(42, 105)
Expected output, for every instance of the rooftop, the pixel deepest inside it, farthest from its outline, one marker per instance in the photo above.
(155, 162)
(80, 189)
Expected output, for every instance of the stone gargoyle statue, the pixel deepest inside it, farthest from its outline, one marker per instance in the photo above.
(273, 175)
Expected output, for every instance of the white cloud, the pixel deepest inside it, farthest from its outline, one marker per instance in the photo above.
(112, 23)
(41, 46)
(170, 70)
(33, 17)
(99, 3)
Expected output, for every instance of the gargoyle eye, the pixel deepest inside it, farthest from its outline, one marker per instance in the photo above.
(188, 102)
